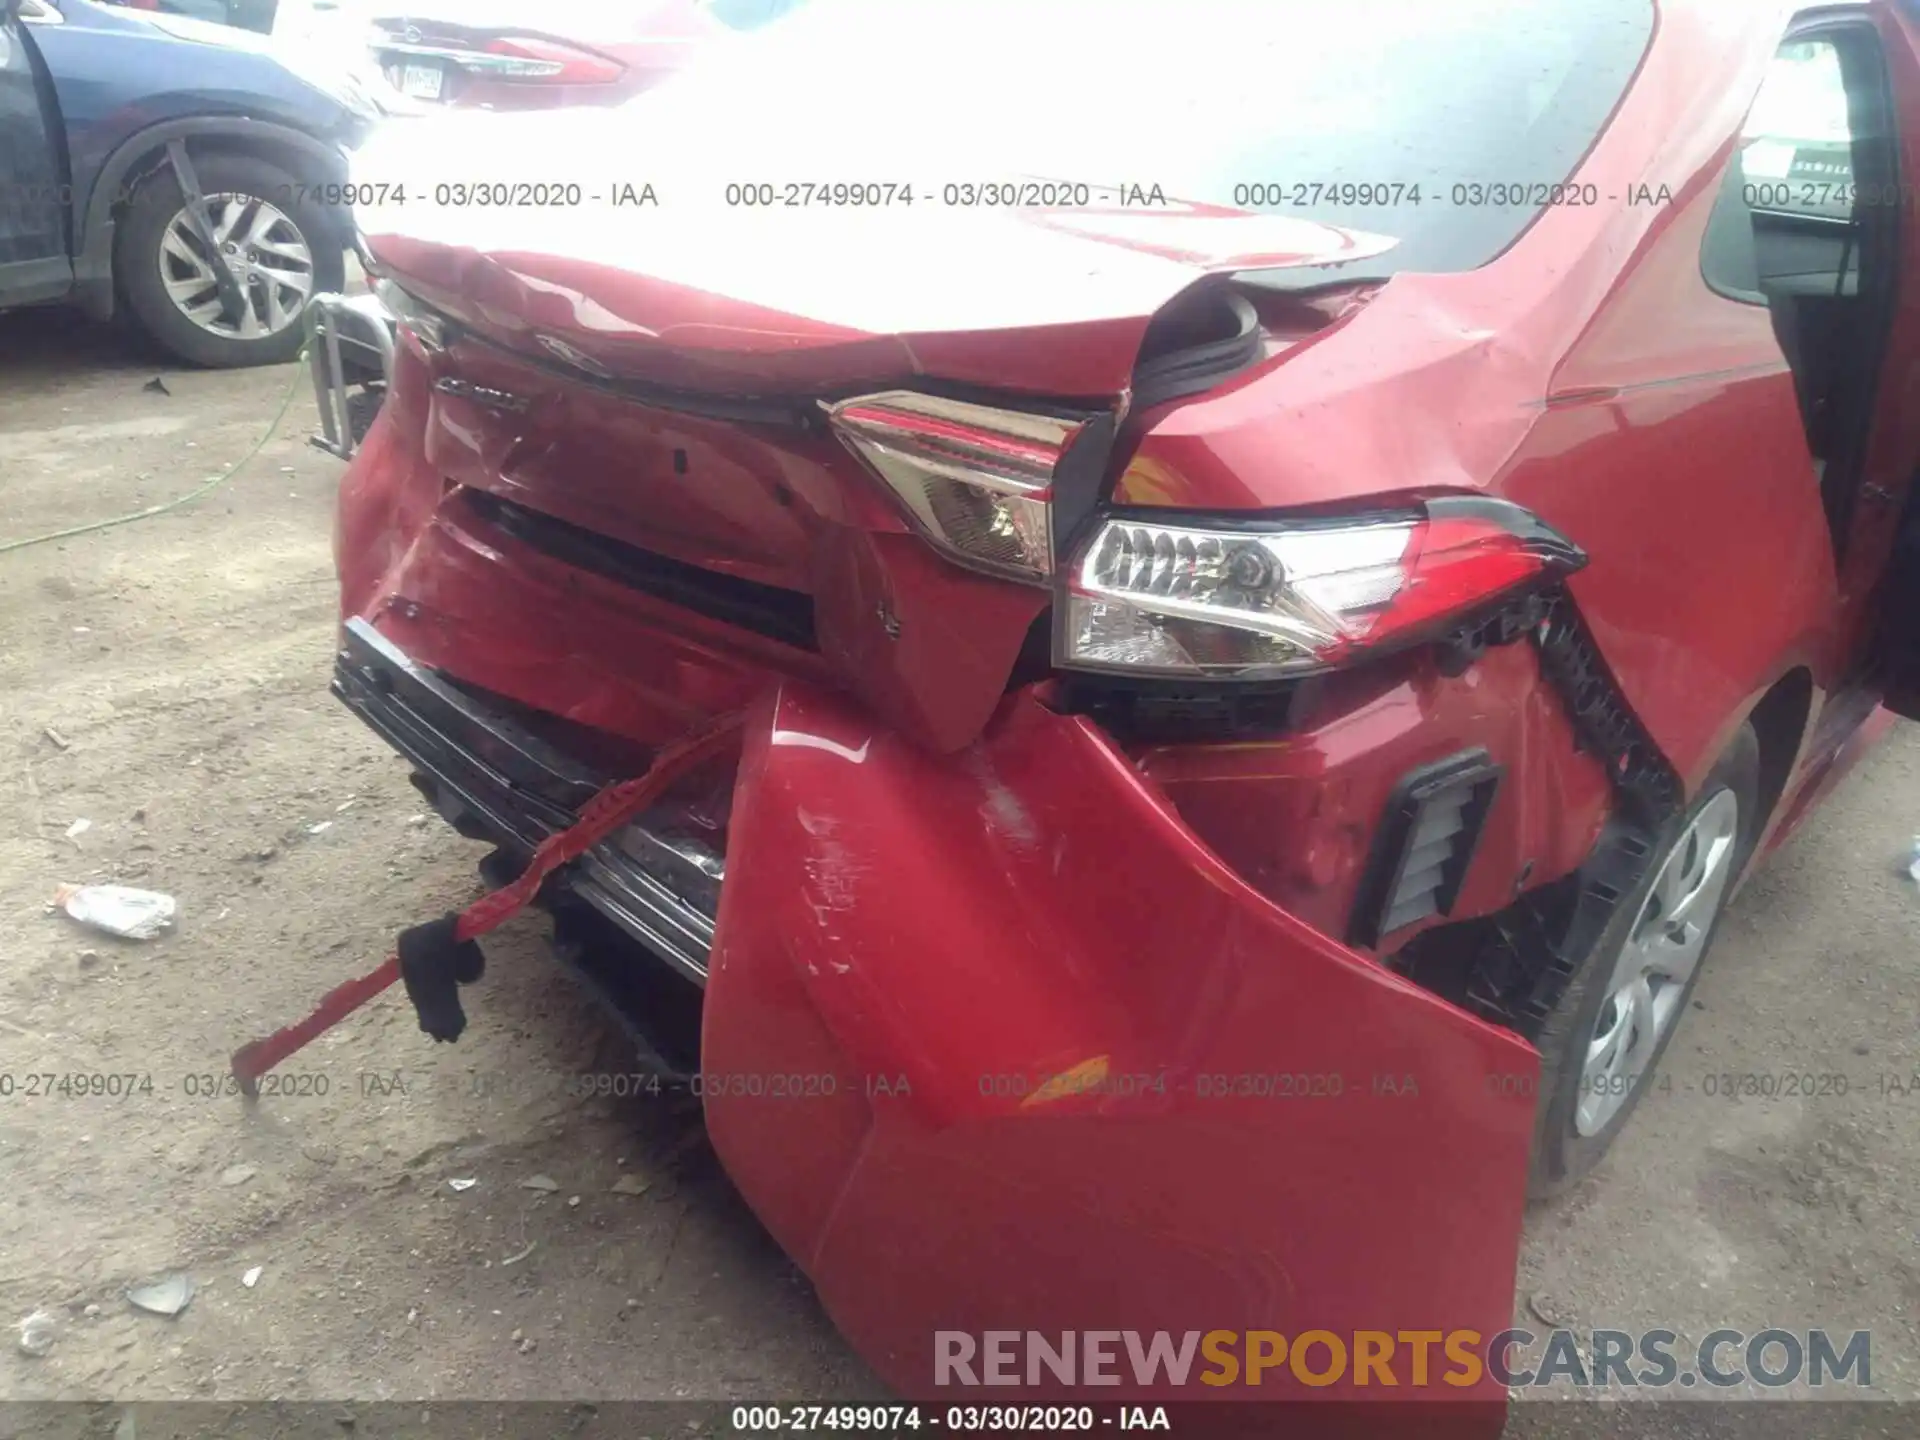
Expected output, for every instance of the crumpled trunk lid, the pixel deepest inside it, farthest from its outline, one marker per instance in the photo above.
(634, 390)
(666, 554)
(662, 273)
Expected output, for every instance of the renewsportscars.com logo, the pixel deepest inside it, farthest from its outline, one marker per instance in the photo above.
(1413, 1359)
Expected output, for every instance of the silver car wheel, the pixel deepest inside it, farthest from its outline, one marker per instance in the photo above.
(265, 250)
(1663, 948)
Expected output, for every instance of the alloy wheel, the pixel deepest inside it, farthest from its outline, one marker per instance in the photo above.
(1663, 948)
(267, 254)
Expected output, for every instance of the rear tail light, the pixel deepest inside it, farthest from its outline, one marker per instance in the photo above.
(530, 57)
(977, 480)
(1194, 597)
(1235, 600)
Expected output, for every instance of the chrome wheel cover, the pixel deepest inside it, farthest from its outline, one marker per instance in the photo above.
(266, 252)
(1650, 975)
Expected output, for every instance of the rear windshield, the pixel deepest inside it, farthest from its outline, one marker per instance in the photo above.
(1444, 123)
(749, 14)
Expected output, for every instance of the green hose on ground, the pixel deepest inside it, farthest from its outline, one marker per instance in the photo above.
(273, 425)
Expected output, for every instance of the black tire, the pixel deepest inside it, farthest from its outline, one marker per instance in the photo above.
(137, 257)
(363, 408)
(1561, 1155)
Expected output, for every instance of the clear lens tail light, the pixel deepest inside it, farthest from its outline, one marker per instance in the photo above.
(1214, 597)
(976, 480)
(1235, 600)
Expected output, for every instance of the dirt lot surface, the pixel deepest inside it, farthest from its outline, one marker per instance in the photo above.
(166, 682)
(184, 663)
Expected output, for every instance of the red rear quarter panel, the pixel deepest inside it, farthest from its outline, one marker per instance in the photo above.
(933, 939)
(1592, 376)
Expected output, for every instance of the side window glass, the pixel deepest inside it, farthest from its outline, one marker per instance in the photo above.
(1796, 155)
(1807, 224)
(1787, 204)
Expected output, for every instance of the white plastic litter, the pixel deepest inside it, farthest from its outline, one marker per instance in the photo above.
(78, 828)
(168, 1295)
(1913, 866)
(118, 909)
(36, 1334)
(461, 1184)
(252, 1277)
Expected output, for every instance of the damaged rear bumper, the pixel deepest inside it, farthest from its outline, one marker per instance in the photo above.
(1074, 1074)
(656, 881)
(992, 1042)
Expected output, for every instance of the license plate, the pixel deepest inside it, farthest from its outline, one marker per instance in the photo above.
(421, 81)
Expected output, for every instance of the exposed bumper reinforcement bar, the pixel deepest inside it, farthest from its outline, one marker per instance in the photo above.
(660, 887)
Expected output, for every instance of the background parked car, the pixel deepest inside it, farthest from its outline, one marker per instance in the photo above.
(246, 14)
(176, 168)
(507, 55)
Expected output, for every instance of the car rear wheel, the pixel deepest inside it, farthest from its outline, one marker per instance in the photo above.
(1600, 1047)
(277, 242)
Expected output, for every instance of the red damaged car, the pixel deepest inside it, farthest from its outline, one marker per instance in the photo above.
(1278, 572)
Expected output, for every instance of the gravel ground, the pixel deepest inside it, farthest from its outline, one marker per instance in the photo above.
(166, 682)
(183, 664)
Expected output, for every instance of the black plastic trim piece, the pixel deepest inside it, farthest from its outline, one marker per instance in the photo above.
(1514, 620)
(1079, 482)
(1193, 369)
(1175, 711)
(1471, 771)
(783, 615)
(1532, 949)
(1648, 787)
(1532, 952)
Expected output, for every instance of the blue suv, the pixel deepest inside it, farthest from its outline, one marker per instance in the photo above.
(186, 173)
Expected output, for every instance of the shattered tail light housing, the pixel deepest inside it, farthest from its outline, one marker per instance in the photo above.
(1236, 600)
(976, 480)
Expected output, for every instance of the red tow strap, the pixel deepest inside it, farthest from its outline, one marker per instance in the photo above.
(599, 818)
